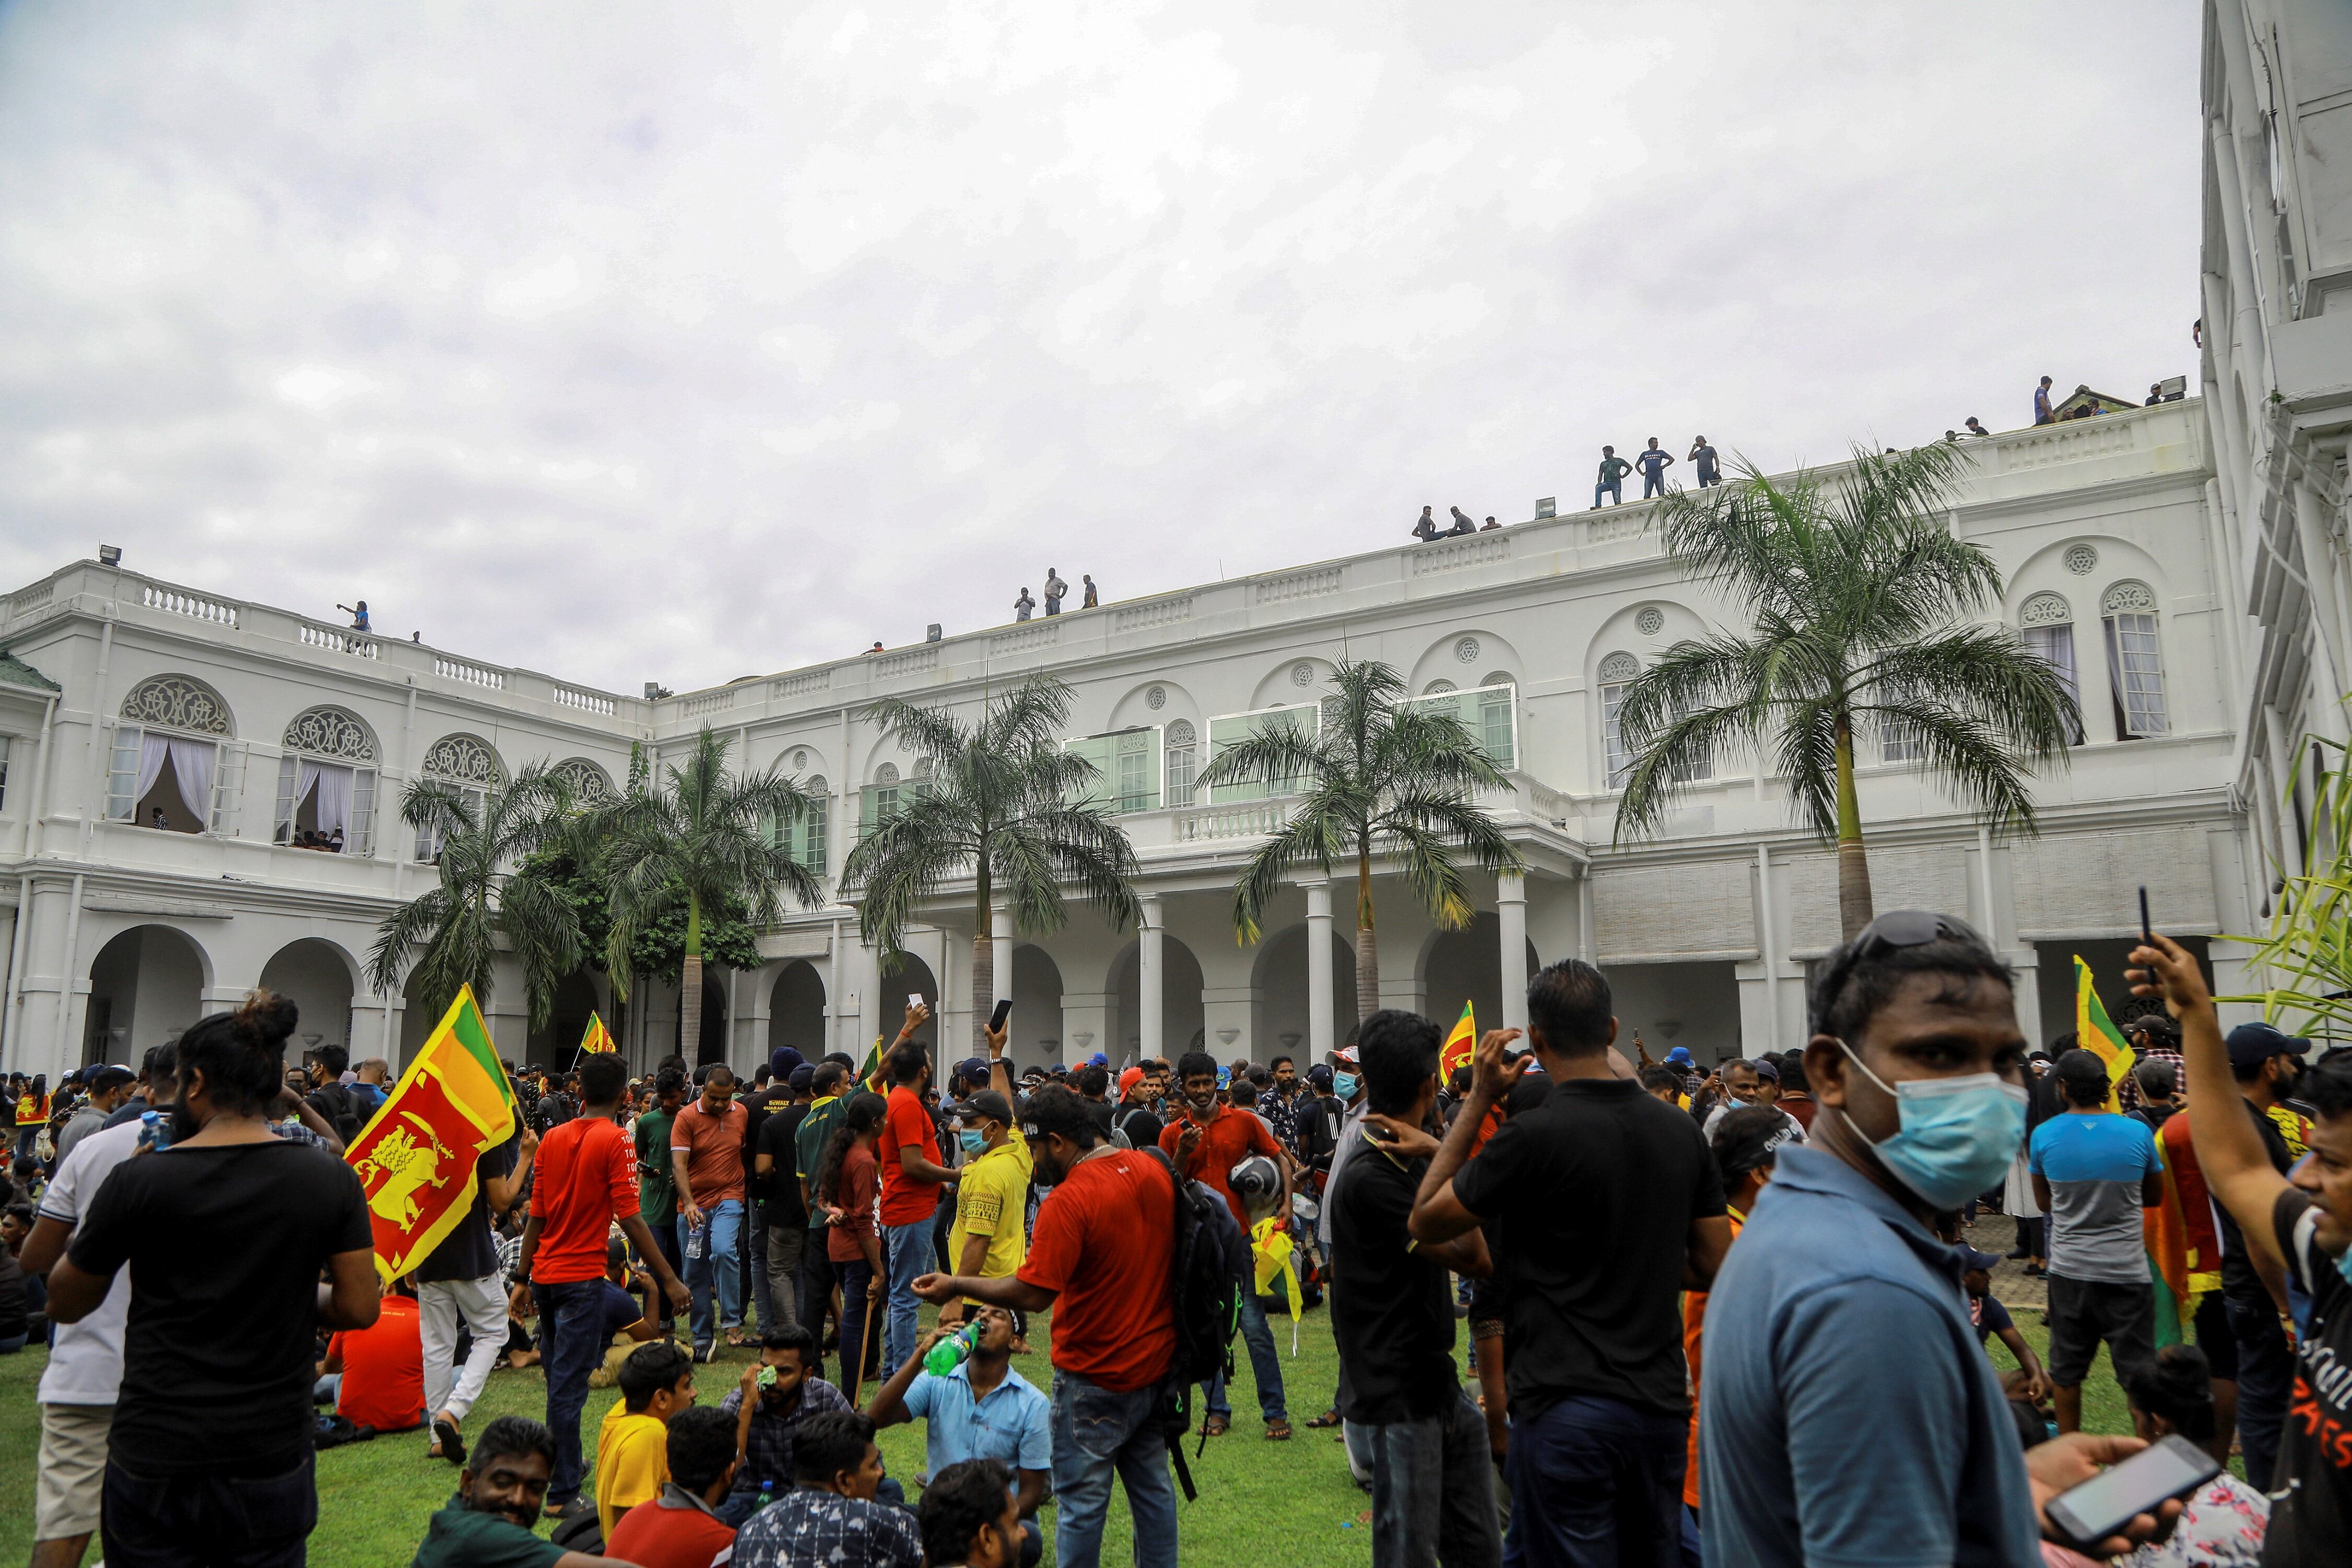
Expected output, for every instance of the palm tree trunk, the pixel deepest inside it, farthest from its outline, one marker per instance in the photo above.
(1368, 946)
(983, 962)
(1853, 863)
(689, 982)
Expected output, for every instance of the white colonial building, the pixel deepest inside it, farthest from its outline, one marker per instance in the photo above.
(167, 745)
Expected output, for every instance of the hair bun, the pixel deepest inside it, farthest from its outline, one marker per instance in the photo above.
(266, 1019)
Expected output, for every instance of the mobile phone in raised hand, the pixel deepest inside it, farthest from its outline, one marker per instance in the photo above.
(2170, 1467)
(914, 998)
(2147, 931)
(1003, 1011)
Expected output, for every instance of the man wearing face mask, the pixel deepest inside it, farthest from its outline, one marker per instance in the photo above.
(1749, 1084)
(1839, 1296)
(987, 1242)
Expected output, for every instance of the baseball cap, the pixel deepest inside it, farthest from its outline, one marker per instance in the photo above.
(1319, 1075)
(1972, 1259)
(801, 1077)
(972, 1069)
(987, 1103)
(2081, 1069)
(1346, 1053)
(2158, 1023)
(1054, 1108)
(1098, 1060)
(1129, 1079)
(1767, 1068)
(1746, 1137)
(2252, 1045)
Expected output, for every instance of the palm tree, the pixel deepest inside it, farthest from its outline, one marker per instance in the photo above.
(488, 895)
(1863, 599)
(1004, 805)
(1381, 776)
(707, 838)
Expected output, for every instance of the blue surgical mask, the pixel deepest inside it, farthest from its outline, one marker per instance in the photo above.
(1343, 1084)
(1958, 1134)
(973, 1142)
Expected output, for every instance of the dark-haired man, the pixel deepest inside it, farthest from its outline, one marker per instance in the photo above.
(827, 1105)
(705, 1151)
(983, 1409)
(2265, 1065)
(657, 1187)
(1100, 1258)
(1600, 1171)
(1392, 1314)
(832, 1519)
(907, 1149)
(632, 1451)
(969, 1520)
(681, 1528)
(1839, 1296)
(487, 1524)
(108, 1087)
(2094, 1172)
(776, 1395)
(2302, 1223)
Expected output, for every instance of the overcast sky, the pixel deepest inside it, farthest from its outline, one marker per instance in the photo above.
(675, 342)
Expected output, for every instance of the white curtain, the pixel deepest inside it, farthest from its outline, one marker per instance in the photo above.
(153, 750)
(193, 762)
(334, 786)
(2054, 645)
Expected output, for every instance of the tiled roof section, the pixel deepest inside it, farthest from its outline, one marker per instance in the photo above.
(15, 671)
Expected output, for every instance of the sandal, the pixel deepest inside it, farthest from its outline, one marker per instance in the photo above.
(447, 1443)
(1278, 1431)
(1216, 1427)
(1328, 1418)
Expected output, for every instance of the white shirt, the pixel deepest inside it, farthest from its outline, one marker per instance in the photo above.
(1796, 1128)
(86, 1364)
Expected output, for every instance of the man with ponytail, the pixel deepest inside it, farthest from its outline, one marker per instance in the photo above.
(240, 1246)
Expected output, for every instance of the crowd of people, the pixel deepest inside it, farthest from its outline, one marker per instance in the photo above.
(1589, 1307)
(1056, 590)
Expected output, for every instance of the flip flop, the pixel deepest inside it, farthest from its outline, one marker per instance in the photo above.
(1278, 1432)
(453, 1442)
(1328, 1418)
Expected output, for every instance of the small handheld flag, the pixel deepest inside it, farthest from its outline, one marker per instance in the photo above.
(2096, 1033)
(1459, 1046)
(598, 1040)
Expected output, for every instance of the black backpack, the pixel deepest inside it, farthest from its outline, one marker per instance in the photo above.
(335, 1103)
(1212, 1272)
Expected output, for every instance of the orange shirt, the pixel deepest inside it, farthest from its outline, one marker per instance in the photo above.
(1228, 1138)
(713, 1146)
(383, 1369)
(587, 1178)
(1694, 1323)
(1101, 1244)
(907, 1125)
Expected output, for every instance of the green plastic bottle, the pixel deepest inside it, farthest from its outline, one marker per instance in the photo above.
(949, 1352)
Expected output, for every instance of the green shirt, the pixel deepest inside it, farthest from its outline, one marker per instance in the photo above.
(656, 1184)
(808, 1144)
(458, 1537)
(1614, 468)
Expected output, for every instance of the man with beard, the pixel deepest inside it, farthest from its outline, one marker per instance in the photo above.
(488, 1523)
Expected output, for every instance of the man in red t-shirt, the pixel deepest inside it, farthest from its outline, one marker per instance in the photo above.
(679, 1529)
(587, 1180)
(706, 1146)
(1207, 1140)
(908, 1150)
(1101, 1258)
(382, 1369)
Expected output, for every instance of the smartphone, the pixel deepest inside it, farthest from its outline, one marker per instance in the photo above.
(1003, 1011)
(2146, 933)
(2171, 1468)
(914, 998)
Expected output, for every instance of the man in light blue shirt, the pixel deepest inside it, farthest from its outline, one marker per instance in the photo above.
(981, 1410)
(1847, 1416)
(2094, 1170)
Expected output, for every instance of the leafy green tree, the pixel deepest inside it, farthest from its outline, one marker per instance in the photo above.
(487, 895)
(1003, 805)
(1381, 776)
(1865, 603)
(705, 838)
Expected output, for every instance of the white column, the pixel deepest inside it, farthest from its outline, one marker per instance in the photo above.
(1511, 908)
(1322, 1040)
(1000, 934)
(1152, 1006)
(1764, 946)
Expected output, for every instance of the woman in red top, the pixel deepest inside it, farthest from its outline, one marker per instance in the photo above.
(847, 1180)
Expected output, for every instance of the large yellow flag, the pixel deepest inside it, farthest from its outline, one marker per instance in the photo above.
(417, 1157)
(598, 1039)
(2096, 1033)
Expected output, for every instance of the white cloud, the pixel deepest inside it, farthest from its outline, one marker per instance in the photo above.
(489, 314)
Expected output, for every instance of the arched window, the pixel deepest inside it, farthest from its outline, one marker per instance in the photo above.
(171, 767)
(591, 786)
(1183, 761)
(879, 802)
(1695, 765)
(326, 783)
(1498, 712)
(2046, 621)
(1618, 672)
(466, 765)
(804, 838)
(1436, 686)
(2135, 661)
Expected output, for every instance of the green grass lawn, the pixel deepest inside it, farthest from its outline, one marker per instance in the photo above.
(1290, 1503)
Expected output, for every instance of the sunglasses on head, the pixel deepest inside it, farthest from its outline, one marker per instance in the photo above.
(1894, 929)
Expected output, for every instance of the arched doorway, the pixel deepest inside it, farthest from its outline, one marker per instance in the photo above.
(1033, 1033)
(796, 1011)
(316, 976)
(909, 976)
(567, 1022)
(1278, 1022)
(1180, 1004)
(145, 986)
(1467, 965)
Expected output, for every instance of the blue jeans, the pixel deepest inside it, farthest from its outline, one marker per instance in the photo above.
(1653, 484)
(1433, 1492)
(906, 1249)
(181, 1521)
(572, 1334)
(2265, 1379)
(1265, 1366)
(1596, 1483)
(720, 1266)
(1096, 1431)
(1615, 492)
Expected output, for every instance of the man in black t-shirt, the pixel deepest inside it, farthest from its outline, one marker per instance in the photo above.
(2302, 1222)
(1432, 1500)
(1602, 1202)
(782, 1218)
(769, 1090)
(460, 1284)
(225, 1234)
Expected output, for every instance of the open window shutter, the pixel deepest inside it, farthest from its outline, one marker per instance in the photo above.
(122, 773)
(1137, 759)
(1497, 725)
(289, 769)
(1096, 750)
(360, 839)
(228, 786)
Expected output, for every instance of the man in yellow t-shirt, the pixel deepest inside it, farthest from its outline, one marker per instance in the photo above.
(633, 1444)
(991, 1194)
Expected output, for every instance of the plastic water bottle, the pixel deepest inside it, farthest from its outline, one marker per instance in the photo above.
(949, 1352)
(698, 1241)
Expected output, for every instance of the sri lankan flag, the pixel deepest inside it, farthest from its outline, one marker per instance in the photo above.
(2096, 1033)
(415, 1158)
(1459, 1046)
(598, 1039)
(869, 1076)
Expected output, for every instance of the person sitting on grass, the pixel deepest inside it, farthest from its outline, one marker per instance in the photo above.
(981, 1410)
(500, 1493)
(1989, 1318)
(632, 1305)
(2223, 1521)
(832, 1518)
(970, 1518)
(778, 1392)
(632, 1453)
(681, 1528)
